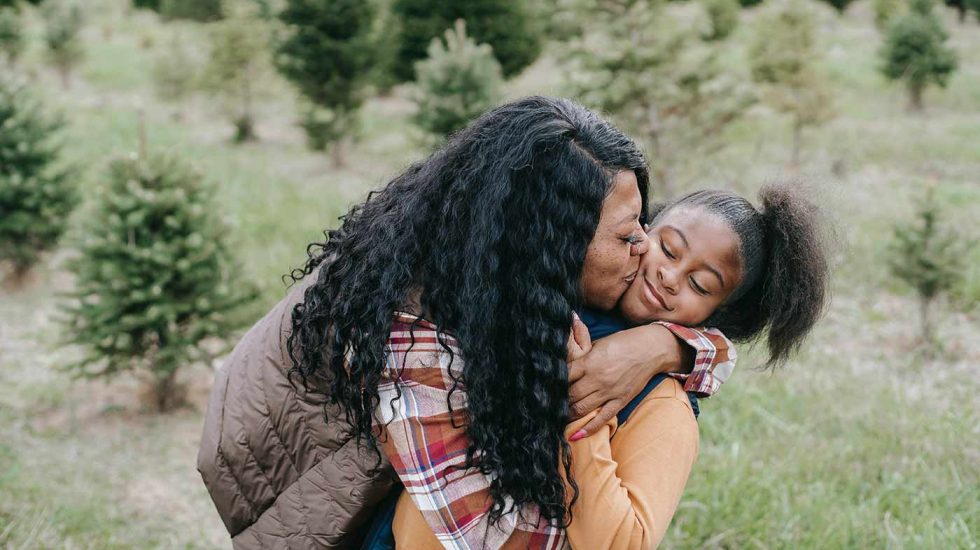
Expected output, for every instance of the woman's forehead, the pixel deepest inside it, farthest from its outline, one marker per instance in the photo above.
(624, 203)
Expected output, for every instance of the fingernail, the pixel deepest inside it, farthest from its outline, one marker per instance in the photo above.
(574, 315)
(577, 435)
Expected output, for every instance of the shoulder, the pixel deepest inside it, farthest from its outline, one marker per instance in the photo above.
(418, 352)
(666, 409)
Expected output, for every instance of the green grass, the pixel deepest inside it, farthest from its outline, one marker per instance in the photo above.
(858, 443)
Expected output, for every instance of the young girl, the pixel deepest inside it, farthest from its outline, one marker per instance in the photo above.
(716, 260)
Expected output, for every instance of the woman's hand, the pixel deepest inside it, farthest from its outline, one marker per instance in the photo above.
(607, 375)
(579, 341)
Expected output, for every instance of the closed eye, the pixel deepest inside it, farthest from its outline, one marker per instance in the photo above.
(632, 239)
(698, 288)
(663, 246)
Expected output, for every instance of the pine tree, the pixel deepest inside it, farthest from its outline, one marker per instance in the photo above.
(196, 10)
(327, 54)
(915, 52)
(175, 73)
(839, 5)
(384, 27)
(153, 5)
(886, 10)
(784, 57)
(154, 277)
(36, 194)
(928, 258)
(236, 67)
(458, 82)
(636, 62)
(11, 35)
(63, 23)
(722, 18)
(507, 26)
(964, 8)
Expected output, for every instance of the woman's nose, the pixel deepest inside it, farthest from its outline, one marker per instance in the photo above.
(640, 247)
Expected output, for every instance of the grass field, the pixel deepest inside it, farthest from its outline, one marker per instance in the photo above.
(859, 443)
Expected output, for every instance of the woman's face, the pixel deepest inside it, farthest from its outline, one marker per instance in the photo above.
(613, 256)
(691, 268)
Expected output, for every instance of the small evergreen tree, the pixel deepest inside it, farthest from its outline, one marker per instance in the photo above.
(964, 8)
(154, 277)
(153, 5)
(749, 3)
(915, 52)
(236, 67)
(927, 258)
(385, 48)
(175, 73)
(63, 23)
(507, 26)
(458, 82)
(783, 57)
(658, 81)
(839, 5)
(722, 18)
(196, 10)
(327, 54)
(11, 35)
(886, 10)
(36, 195)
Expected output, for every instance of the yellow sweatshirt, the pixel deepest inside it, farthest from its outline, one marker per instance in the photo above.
(630, 479)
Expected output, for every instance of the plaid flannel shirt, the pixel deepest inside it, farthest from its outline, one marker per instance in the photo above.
(426, 443)
(714, 358)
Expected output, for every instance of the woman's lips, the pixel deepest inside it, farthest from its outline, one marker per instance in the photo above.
(653, 296)
(629, 278)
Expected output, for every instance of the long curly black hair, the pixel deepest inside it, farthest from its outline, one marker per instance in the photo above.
(492, 231)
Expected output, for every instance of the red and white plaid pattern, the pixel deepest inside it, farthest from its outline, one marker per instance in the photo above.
(714, 358)
(425, 443)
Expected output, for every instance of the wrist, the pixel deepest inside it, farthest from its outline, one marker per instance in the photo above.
(654, 349)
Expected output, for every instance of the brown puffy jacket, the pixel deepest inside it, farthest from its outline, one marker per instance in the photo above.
(280, 475)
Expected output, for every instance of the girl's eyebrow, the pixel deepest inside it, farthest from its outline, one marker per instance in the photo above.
(679, 233)
(716, 274)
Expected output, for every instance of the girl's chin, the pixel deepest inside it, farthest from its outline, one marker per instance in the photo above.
(636, 314)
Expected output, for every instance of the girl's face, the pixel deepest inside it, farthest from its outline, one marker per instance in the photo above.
(691, 268)
(612, 259)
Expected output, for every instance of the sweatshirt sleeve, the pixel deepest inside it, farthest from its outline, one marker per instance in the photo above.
(631, 480)
(714, 358)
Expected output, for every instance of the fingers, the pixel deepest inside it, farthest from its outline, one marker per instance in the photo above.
(581, 390)
(572, 348)
(587, 404)
(608, 410)
(576, 371)
(581, 333)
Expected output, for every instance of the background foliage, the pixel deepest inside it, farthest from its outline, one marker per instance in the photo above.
(859, 443)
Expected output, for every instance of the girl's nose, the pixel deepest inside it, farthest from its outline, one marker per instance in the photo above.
(667, 279)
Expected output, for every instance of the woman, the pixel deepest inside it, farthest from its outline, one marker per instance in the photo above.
(494, 239)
